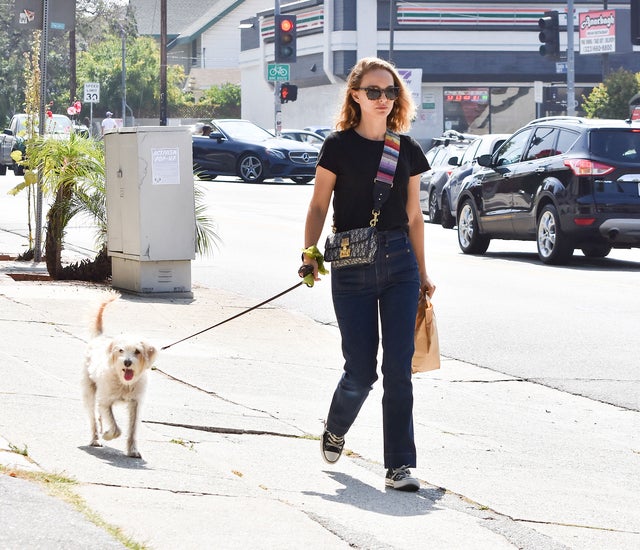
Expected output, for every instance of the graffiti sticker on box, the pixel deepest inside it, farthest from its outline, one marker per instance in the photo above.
(165, 166)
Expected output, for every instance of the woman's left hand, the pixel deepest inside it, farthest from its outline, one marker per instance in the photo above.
(428, 286)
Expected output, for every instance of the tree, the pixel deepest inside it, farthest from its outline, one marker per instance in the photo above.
(102, 62)
(610, 99)
(224, 100)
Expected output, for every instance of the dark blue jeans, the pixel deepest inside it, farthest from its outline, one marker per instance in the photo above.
(388, 287)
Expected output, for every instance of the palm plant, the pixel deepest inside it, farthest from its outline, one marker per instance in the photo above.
(72, 172)
(69, 169)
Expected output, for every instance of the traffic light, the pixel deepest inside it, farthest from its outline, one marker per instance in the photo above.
(635, 22)
(288, 92)
(285, 38)
(549, 35)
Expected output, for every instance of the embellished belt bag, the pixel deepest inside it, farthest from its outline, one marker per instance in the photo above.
(359, 246)
(354, 247)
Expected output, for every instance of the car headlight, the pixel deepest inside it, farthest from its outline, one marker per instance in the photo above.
(276, 153)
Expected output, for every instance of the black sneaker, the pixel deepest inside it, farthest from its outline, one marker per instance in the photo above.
(401, 479)
(331, 446)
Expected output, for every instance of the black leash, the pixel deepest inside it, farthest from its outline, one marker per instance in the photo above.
(302, 272)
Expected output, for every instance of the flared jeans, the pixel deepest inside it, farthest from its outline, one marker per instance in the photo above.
(385, 291)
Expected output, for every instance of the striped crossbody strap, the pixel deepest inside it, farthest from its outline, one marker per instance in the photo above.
(383, 182)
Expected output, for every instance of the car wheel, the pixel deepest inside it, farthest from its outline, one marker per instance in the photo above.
(302, 179)
(434, 212)
(596, 251)
(448, 221)
(554, 247)
(469, 237)
(250, 169)
(3, 169)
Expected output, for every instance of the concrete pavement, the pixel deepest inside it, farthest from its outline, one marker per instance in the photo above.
(230, 444)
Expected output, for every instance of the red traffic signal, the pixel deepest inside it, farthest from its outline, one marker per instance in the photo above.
(285, 38)
(288, 92)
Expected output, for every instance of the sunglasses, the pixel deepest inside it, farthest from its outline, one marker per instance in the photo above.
(373, 92)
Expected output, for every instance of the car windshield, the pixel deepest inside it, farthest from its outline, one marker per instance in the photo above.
(57, 124)
(243, 130)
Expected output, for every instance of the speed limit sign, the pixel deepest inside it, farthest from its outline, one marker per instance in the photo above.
(92, 92)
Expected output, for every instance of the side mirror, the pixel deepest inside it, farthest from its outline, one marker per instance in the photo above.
(453, 161)
(8, 131)
(216, 135)
(484, 160)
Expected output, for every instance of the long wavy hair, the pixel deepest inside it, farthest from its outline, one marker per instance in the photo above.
(403, 111)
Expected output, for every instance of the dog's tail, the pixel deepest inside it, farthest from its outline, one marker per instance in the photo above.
(97, 320)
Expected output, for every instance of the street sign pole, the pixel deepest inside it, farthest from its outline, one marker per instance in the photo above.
(276, 87)
(44, 53)
(571, 69)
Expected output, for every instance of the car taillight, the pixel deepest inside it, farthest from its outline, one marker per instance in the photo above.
(586, 167)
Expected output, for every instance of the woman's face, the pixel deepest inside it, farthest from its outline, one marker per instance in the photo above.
(379, 79)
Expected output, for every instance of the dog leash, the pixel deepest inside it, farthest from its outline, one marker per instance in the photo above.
(304, 270)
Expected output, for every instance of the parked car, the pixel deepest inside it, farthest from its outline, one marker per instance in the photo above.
(443, 158)
(13, 138)
(324, 131)
(241, 148)
(565, 182)
(482, 145)
(305, 136)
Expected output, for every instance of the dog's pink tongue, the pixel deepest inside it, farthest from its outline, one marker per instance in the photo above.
(128, 374)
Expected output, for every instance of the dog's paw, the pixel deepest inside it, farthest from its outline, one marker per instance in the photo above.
(95, 443)
(134, 453)
(111, 434)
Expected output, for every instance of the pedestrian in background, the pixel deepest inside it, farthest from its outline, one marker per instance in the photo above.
(108, 123)
(387, 290)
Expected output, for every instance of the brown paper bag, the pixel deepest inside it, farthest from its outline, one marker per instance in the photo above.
(427, 353)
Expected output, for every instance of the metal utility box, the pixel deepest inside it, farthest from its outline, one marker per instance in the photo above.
(151, 222)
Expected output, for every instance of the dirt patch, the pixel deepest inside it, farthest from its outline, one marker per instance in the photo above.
(29, 277)
(6, 258)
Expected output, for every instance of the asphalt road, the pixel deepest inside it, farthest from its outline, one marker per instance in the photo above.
(572, 328)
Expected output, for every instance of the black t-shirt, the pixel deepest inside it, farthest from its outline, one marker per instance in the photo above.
(355, 160)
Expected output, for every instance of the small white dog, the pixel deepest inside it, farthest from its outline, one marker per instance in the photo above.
(115, 369)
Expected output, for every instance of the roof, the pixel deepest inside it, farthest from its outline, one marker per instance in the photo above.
(186, 19)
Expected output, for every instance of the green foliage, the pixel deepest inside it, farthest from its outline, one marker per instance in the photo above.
(70, 170)
(224, 100)
(102, 63)
(610, 99)
(225, 94)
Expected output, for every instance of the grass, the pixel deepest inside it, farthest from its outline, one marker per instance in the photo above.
(62, 487)
(14, 449)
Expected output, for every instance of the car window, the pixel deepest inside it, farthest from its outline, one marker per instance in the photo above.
(566, 139)
(616, 145)
(439, 158)
(243, 130)
(471, 151)
(511, 151)
(431, 154)
(57, 124)
(542, 144)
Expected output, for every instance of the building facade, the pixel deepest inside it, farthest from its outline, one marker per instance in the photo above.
(472, 66)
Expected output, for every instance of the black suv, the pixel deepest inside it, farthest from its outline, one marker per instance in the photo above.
(565, 182)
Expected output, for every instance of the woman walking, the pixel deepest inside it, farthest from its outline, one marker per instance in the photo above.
(385, 291)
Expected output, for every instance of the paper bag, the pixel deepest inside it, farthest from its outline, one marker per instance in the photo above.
(427, 349)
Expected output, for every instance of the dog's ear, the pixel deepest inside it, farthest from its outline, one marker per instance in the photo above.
(150, 353)
(111, 348)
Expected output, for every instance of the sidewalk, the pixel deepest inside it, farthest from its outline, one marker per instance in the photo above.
(230, 443)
